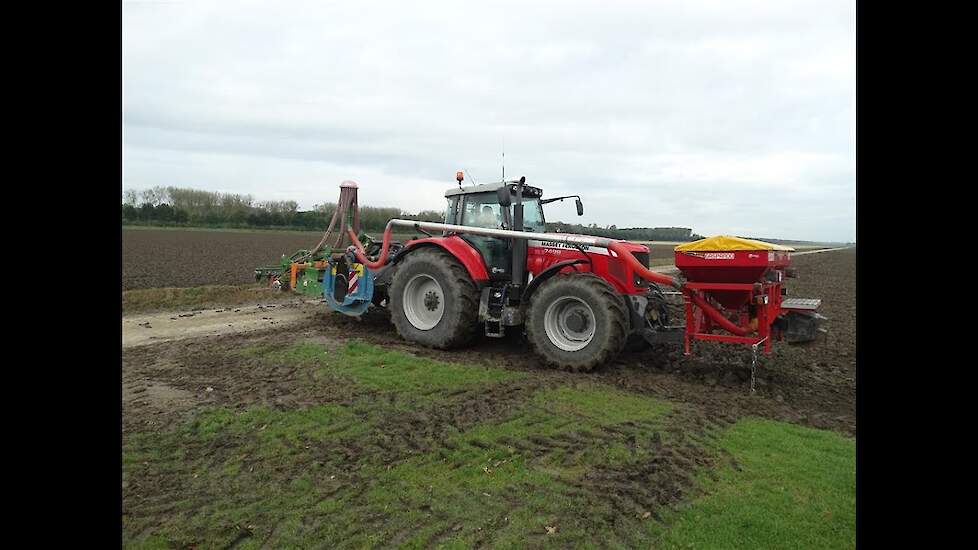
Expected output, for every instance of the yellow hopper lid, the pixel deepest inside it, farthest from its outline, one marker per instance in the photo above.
(727, 242)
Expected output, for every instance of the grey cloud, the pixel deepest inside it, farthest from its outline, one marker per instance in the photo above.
(721, 116)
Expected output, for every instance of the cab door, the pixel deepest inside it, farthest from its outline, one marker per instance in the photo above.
(483, 210)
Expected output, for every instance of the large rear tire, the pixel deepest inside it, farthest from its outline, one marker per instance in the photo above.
(577, 321)
(433, 301)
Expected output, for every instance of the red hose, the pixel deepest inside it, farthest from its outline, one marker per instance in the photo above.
(717, 316)
(361, 254)
(650, 275)
(642, 271)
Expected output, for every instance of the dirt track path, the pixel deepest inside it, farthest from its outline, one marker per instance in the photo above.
(166, 326)
(181, 324)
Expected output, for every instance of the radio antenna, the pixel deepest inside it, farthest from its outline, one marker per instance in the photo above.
(504, 160)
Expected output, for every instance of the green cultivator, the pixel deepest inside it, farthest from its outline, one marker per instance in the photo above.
(308, 279)
(331, 269)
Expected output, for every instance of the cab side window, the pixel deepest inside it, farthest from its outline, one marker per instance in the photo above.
(482, 214)
(450, 211)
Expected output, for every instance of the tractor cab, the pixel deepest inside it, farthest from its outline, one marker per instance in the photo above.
(482, 206)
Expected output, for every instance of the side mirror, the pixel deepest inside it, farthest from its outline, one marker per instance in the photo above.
(503, 197)
(580, 208)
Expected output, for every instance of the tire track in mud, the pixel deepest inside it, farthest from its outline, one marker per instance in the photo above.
(797, 385)
(811, 384)
(716, 378)
(347, 466)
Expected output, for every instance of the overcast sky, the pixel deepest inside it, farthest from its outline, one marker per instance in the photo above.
(728, 117)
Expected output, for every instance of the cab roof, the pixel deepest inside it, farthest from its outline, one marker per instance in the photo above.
(528, 190)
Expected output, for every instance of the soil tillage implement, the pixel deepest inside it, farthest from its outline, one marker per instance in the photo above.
(330, 270)
(579, 299)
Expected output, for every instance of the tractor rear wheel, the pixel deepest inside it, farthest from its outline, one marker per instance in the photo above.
(433, 301)
(577, 321)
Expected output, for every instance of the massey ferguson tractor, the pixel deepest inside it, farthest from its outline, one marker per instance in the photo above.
(491, 267)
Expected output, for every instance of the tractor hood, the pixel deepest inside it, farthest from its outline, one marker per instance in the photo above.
(628, 245)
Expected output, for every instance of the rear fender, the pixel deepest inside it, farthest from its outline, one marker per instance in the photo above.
(462, 251)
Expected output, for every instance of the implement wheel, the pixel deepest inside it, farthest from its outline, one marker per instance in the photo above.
(433, 301)
(577, 321)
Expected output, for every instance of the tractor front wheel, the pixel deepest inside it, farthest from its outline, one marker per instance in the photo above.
(433, 301)
(577, 321)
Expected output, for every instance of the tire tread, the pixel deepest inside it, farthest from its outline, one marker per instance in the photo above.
(461, 288)
(613, 302)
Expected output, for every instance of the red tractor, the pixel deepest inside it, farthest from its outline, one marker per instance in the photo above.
(572, 299)
(579, 299)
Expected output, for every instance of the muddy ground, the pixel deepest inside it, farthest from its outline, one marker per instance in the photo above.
(153, 258)
(812, 384)
(165, 383)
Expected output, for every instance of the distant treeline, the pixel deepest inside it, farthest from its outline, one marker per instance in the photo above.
(789, 242)
(679, 234)
(196, 208)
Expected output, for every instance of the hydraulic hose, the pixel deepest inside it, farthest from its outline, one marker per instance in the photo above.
(718, 317)
(361, 254)
(642, 270)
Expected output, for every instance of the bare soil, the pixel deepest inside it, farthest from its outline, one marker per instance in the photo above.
(154, 258)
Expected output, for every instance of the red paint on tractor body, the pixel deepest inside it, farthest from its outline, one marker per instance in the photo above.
(461, 250)
(542, 254)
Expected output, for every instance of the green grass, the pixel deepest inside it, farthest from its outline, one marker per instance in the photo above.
(251, 469)
(793, 487)
(486, 479)
(372, 367)
(600, 405)
(274, 469)
(302, 353)
(274, 428)
(377, 368)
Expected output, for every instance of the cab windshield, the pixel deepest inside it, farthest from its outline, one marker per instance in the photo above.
(533, 216)
(483, 210)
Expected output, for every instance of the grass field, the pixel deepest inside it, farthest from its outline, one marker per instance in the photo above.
(369, 447)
